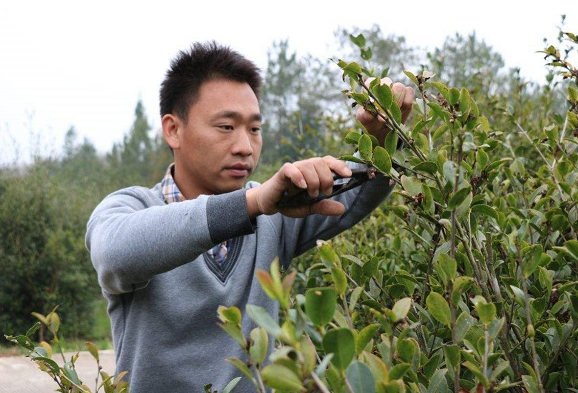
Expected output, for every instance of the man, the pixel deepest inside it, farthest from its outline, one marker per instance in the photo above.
(153, 248)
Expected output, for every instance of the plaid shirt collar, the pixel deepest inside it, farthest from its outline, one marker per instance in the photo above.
(169, 188)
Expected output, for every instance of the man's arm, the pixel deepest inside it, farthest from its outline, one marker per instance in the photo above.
(133, 235)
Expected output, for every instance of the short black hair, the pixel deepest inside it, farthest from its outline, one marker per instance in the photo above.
(203, 62)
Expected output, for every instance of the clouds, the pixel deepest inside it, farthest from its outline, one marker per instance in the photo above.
(86, 64)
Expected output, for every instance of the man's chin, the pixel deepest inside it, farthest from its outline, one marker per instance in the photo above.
(231, 186)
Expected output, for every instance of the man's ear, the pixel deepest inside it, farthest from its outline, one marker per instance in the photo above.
(171, 130)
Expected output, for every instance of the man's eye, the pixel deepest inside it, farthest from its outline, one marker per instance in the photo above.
(226, 127)
(255, 130)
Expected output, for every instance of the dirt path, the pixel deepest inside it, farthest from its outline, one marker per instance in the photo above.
(18, 374)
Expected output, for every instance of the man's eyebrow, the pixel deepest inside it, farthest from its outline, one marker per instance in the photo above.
(236, 116)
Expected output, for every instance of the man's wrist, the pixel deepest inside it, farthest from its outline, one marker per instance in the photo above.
(252, 196)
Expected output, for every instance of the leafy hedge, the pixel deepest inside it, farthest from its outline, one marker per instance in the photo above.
(467, 280)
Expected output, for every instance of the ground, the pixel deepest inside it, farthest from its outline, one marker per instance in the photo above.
(18, 374)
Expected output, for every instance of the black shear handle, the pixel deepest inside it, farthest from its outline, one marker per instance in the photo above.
(302, 198)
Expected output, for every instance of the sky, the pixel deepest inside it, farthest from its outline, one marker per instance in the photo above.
(86, 64)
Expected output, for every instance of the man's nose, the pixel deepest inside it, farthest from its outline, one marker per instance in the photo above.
(243, 143)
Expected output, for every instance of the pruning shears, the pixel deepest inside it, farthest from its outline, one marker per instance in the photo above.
(340, 185)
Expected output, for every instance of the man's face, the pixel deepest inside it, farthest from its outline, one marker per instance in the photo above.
(219, 146)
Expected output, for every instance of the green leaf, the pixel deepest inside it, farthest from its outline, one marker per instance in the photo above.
(495, 327)
(351, 158)
(572, 246)
(401, 308)
(454, 96)
(54, 367)
(412, 77)
(463, 323)
(364, 336)
(40, 317)
(452, 354)
(482, 158)
(360, 378)
(390, 143)
(53, 322)
(438, 110)
(458, 197)
(382, 160)
(70, 372)
(260, 343)
(231, 385)
(439, 308)
(395, 112)
(341, 343)
(33, 329)
(464, 207)
(485, 210)
(267, 284)
(229, 314)
(476, 371)
(499, 369)
(320, 305)
(352, 67)
(432, 364)
(355, 297)
(399, 370)
(494, 164)
(406, 349)
(358, 40)
(438, 382)
(383, 94)
(365, 147)
(352, 138)
(328, 255)
(531, 258)
(465, 101)
(234, 330)
(530, 384)
(461, 284)
(448, 266)
(519, 296)
(486, 312)
(281, 378)
(93, 350)
(262, 318)
(411, 184)
(340, 280)
(427, 167)
(449, 171)
(241, 366)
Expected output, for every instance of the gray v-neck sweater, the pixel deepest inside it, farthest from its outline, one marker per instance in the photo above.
(163, 289)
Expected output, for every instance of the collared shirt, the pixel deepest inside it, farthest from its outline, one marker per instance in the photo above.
(169, 188)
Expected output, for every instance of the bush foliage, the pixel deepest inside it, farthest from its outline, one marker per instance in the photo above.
(465, 280)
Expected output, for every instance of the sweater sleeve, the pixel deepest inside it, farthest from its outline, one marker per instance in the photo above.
(132, 235)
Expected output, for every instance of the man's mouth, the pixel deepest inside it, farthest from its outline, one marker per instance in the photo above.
(239, 170)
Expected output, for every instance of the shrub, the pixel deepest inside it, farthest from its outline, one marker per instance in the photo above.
(466, 280)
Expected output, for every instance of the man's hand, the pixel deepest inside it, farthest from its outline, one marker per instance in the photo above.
(315, 175)
(375, 125)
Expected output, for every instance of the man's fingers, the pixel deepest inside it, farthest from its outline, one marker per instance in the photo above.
(328, 207)
(318, 173)
(404, 97)
(293, 174)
